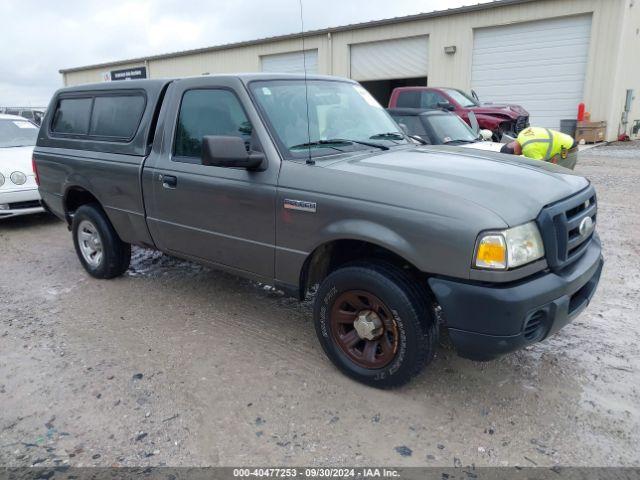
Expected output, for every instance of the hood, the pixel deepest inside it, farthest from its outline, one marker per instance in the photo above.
(16, 158)
(511, 111)
(513, 188)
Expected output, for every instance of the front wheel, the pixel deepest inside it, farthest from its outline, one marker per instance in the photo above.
(374, 324)
(99, 248)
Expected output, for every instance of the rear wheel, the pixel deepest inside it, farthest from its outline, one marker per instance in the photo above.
(374, 324)
(99, 248)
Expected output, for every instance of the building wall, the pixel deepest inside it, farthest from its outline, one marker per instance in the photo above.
(237, 59)
(458, 30)
(94, 74)
(628, 68)
(232, 60)
(606, 72)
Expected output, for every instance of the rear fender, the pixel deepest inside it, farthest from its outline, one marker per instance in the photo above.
(75, 181)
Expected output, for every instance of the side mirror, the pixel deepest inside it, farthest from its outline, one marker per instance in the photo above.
(486, 134)
(230, 152)
(446, 106)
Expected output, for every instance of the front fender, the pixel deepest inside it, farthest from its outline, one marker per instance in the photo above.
(371, 232)
(351, 229)
(291, 265)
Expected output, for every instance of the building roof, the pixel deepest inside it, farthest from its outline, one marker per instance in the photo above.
(352, 26)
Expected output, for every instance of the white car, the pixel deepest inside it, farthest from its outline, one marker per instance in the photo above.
(18, 188)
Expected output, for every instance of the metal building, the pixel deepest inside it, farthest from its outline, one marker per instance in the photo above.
(546, 55)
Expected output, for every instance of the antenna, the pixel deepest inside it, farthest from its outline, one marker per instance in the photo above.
(310, 161)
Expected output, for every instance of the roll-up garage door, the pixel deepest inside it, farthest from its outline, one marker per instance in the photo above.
(292, 62)
(539, 65)
(400, 58)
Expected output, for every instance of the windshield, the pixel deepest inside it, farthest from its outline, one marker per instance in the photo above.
(413, 124)
(462, 98)
(342, 117)
(449, 128)
(17, 133)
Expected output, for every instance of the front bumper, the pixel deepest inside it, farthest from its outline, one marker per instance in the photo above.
(21, 202)
(486, 321)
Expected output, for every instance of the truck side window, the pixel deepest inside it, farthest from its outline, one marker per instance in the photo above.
(72, 116)
(410, 99)
(208, 112)
(116, 116)
(431, 100)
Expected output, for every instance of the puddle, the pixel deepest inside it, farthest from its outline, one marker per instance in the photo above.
(153, 263)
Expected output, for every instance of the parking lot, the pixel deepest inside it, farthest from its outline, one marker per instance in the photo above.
(176, 364)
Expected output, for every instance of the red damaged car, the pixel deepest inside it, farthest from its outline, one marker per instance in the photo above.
(500, 119)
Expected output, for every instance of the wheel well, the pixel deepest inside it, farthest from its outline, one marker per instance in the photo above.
(332, 255)
(75, 198)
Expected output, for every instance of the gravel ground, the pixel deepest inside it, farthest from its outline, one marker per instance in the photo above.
(175, 364)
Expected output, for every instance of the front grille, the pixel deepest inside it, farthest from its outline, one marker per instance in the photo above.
(28, 204)
(522, 122)
(560, 228)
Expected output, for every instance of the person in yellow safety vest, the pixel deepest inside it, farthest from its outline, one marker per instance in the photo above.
(545, 144)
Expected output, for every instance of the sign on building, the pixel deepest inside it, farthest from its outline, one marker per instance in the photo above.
(125, 74)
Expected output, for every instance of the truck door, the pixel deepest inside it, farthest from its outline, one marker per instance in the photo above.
(225, 216)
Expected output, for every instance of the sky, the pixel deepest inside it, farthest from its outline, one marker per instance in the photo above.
(38, 38)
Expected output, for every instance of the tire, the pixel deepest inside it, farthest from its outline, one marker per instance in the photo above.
(92, 232)
(401, 318)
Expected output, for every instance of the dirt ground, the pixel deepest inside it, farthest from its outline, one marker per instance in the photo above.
(175, 364)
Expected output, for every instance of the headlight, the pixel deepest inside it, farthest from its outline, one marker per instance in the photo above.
(18, 178)
(510, 248)
(1, 179)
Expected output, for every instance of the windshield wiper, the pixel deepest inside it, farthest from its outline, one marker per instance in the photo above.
(337, 141)
(388, 135)
(458, 141)
(320, 143)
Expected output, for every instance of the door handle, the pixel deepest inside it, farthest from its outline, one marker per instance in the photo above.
(169, 181)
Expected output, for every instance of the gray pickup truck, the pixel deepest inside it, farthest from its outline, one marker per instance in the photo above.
(309, 185)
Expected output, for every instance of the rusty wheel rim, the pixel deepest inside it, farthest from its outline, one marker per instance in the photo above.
(356, 312)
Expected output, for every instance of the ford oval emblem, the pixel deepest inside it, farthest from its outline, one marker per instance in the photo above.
(585, 226)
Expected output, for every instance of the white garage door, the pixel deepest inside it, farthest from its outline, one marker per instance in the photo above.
(401, 58)
(540, 65)
(293, 62)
